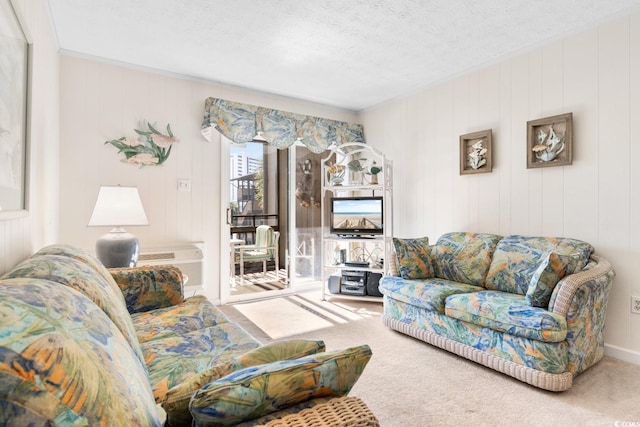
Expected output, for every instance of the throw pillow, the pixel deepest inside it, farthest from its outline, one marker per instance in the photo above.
(554, 267)
(176, 402)
(464, 257)
(253, 392)
(147, 288)
(414, 258)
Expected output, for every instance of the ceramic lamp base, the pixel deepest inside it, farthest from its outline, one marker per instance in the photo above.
(118, 248)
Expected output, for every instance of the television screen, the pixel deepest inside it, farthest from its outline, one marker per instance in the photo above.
(356, 216)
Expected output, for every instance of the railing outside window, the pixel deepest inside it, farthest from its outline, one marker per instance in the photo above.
(244, 226)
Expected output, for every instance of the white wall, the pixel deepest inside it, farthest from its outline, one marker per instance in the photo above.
(102, 101)
(19, 235)
(595, 75)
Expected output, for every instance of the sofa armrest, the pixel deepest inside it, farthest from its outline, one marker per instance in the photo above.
(582, 299)
(149, 287)
(564, 294)
(393, 263)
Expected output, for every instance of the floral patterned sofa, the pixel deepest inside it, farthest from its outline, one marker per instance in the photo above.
(530, 307)
(82, 345)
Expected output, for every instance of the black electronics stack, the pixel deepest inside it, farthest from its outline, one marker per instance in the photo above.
(356, 282)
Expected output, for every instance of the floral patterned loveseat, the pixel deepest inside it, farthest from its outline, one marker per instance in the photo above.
(530, 307)
(82, 345)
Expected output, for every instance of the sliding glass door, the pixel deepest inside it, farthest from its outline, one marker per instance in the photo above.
(281, 189)
(305, 216)
(254, 205)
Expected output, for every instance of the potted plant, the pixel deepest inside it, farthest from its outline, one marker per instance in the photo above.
(374, 170)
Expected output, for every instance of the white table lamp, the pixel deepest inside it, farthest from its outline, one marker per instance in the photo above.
(118, 207)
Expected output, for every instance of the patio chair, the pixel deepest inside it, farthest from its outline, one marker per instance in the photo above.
(265, 249)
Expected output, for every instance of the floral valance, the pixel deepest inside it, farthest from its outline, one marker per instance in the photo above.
(243, 122)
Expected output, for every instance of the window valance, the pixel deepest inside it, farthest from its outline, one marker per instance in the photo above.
(243, 122)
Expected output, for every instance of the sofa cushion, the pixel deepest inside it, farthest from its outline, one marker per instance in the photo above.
(149, 287)
(255, 391)
(67, 360)
(553, 268)
(175, 359)
(508, 313)
(414, 258)
(424, 293)
(464, 257)
(193, 313)
(83, 277)
(517, 258)
(176, 402)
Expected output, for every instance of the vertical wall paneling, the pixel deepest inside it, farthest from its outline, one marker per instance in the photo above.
(534, 176)
(580, 89)
(80, 158)
(634, 190)
(426, 119)
(614, 163)
(520, 200)
(502, 148)
(464, 185)
(102, 101)
(412, 162)
(596, 76)
(185, 154)
(487, 118)
(552, 178)
(446, 157)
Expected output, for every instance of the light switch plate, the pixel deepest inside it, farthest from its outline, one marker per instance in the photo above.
(184, 185)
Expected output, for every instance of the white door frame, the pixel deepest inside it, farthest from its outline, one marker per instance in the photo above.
(225, 236)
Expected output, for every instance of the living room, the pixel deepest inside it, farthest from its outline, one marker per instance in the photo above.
(78, 102)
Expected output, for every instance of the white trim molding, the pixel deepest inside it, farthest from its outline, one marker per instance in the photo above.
(623, 354)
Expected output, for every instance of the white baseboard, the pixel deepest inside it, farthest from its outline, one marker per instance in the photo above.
(623, 354)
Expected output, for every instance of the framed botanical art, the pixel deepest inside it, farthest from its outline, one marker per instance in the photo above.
(14, 72)
(549, 141)
(475, 152)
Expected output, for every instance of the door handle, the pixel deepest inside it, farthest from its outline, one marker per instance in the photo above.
(228, 216)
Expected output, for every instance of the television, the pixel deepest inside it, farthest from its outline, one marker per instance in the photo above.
(356, 216)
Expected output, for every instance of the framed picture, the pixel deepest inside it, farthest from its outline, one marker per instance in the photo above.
(475, 152)
(549, 141)
(14, 69)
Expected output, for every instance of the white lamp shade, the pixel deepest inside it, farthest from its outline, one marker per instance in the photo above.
(118, 207)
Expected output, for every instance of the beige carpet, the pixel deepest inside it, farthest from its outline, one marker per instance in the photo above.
(278, 318)
(409, 383)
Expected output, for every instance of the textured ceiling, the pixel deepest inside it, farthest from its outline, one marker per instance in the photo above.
(351, 54)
